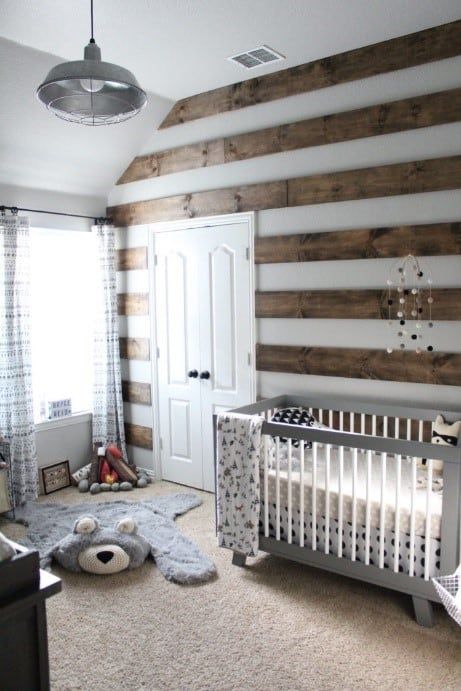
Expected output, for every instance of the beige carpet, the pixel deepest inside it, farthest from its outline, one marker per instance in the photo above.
(275, 625)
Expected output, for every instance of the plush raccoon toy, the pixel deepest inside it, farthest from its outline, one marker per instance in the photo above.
(444, 434)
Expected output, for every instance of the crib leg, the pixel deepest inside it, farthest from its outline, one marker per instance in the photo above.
(238, 559)
(424, 614)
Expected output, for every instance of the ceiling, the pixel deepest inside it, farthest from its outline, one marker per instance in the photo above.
(179, 47)
(175, 48)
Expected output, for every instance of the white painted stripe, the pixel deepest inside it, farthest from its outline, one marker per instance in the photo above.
(136, 370)
(136, 281)
(134, 236)
(138, 414)
(141, 457)
(134, 326)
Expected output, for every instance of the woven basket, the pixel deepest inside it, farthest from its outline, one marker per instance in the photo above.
(449, 591)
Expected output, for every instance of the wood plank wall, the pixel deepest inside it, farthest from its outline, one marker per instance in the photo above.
(135, 348)
(417, 176)
(384, 118)
(437, 43)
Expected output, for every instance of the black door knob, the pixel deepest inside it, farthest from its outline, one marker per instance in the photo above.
(193, 374)
(204, 375)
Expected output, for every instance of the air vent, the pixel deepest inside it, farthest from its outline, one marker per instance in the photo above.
(256, 57)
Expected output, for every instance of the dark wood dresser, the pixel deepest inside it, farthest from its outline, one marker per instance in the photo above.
(24, 588)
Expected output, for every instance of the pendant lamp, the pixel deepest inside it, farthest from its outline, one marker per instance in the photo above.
(90, 91)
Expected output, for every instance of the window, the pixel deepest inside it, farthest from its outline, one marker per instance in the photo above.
(62, 285)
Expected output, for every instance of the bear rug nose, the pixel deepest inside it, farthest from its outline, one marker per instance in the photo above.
(105, 556)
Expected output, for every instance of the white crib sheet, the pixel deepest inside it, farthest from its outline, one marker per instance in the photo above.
(360, 491)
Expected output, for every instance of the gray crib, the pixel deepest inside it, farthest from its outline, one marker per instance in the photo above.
(351, 503)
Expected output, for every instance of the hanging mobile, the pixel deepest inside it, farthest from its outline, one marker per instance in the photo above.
(413, 304)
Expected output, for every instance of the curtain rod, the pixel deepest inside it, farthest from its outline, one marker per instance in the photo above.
(101, 220)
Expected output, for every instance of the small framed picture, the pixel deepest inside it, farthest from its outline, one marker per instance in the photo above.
(56, 476)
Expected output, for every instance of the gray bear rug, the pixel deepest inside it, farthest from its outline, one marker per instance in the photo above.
(54, 530)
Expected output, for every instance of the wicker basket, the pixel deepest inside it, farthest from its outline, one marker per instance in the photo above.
(449, 591)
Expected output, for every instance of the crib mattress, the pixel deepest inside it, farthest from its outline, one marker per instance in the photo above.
(390, 489)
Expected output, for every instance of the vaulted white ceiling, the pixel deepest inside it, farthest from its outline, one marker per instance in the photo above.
(175, 48)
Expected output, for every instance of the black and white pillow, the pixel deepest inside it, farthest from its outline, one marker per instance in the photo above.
(296, 416)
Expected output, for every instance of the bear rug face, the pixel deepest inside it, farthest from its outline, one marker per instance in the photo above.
(112, 536)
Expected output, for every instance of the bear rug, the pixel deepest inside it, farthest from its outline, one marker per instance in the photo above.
(49, 526)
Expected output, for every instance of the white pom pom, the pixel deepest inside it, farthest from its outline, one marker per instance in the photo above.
(86, 524)
(126, 525)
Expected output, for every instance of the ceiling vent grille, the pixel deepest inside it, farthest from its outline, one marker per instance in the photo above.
(257, 57)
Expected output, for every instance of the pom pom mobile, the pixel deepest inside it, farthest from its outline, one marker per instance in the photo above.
(410, 301)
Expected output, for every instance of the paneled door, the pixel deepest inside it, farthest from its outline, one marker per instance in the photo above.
(204, 326)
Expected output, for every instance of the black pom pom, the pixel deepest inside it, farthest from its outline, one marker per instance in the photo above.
(406, 292)
(414, 336)
(430, 348)
(420, 274)
(402, 322)
(390, 302)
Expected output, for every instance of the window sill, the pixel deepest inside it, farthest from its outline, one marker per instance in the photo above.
(76, 419)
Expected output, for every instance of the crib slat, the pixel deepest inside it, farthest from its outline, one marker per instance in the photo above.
(385, 426)
(382, 512)
(354, 504)
(277, 488)
(420, 430)
(330, 418)
(301, 496)
(412, 517)
(427, 538)
(266, 487)
(290, 494)
(340, 500)
(362, 423)
(373, 425)
(396, 427)
(320, 415)
(314, 495)
(327, 499)
(409, 429)
(351, 422)
(341, 420)
(398, 470)
(368, 510)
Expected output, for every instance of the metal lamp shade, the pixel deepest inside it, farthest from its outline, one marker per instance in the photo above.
(92, 92)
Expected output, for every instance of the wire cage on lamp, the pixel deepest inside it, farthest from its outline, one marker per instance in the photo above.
(90, 91)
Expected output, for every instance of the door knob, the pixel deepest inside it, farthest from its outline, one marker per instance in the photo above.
(193, 374)
(204, 375)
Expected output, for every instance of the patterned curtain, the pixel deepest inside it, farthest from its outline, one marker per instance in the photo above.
(16, 401)
(107, 388)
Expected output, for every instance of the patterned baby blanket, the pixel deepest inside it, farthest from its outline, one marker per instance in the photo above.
(238, 499)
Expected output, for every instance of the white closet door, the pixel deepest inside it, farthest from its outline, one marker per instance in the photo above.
(203, 298)
(177, 313)
(225, 328)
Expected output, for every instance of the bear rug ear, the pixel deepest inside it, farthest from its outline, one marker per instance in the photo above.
(127, 525)
(86, 525)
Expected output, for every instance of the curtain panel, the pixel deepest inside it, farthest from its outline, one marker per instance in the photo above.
(108, 424)
(16, 399)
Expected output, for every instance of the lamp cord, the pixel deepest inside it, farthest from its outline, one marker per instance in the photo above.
(92, 31)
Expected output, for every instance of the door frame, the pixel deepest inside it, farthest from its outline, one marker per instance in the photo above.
(185, 224)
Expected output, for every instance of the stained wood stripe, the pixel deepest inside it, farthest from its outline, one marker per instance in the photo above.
(364, 243)
(136, 392)
(134, 348)
(386, 118)
(133, 304)
(405, 366)
(429, 175)
(349, 304)
(137, 435)
(383, 181)
(228, 200)
(437, 43)
(132, 258)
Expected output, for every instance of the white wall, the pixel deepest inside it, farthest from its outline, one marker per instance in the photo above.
(432, 142)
